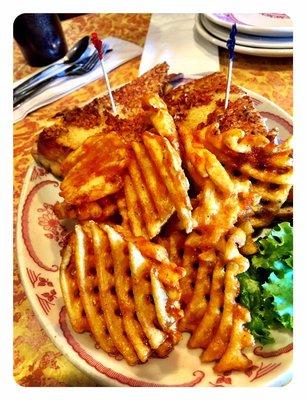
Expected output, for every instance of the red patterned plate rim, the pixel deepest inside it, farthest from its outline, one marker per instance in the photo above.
(271, 368)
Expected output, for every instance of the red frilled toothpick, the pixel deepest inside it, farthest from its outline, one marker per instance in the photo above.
(99, 47)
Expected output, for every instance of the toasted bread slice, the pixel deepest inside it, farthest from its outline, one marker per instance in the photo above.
(202, 101)
(72, 127)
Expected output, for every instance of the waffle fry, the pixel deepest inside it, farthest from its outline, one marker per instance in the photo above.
(187, 283)
(108, 295)
(215, 213)
(176, 247)
(149, 187)
(267, 165)
(124, 291)
(168, 163)
(94, 169)
(145, 309)
(154, 183)
(99, 210)
(233, 357)
(206, 329)
(221, 339)
(195, 309)
(161, 119)
(70, 290)
(134, 211)
(250, 246)
(129, 289)
(123, 211)
(88, 285)
(149, 214)
(217, 332)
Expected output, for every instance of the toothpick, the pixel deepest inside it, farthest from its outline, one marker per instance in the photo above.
(230, 44)
(109, 88)
(228, 83)
(98, 45)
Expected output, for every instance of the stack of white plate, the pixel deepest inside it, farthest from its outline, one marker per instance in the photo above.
(265, 35)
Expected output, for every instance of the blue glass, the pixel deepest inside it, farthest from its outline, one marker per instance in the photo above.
(40, 38)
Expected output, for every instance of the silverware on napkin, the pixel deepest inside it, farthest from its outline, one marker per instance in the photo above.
(122, 51)
(80, 68)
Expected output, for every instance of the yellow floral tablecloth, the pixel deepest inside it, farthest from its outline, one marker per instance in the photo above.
(37, 362)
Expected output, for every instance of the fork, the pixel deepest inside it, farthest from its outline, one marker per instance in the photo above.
(74, 70)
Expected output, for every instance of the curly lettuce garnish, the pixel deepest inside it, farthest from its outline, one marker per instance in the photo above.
(266, 289)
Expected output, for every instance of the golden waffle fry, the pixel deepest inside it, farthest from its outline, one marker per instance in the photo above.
(233, 357)
(134, 211)
(168, 163)
(176, 242)
(70, 290)
(108, 295)
(196, 307)
(220, 341)
(144, 302)
(215, 213)
(188, 281)
(129, 289)
(150, 215)
(97, 210)
(124, 291)
(206, 329)
(165, 348)
(153, 182)
(285, 213)
(207, 164)
(164, 242)
(250, 246)
(165, 279)
(97, 172)
(161, 119)
(271, 177)
(88, 283)
(123, 211)
(164, 311)
(268, 166)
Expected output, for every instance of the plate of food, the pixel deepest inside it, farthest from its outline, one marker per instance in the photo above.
(155, 246)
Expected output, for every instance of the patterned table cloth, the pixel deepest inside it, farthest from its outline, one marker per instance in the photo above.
(37, 362)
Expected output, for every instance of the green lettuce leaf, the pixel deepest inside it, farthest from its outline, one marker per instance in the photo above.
(266, 288)
(281, 290)
(276, 249)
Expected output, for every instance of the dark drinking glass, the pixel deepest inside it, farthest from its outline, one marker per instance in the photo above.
(40, 38)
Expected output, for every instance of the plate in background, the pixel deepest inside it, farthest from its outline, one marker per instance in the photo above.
(247, 40)
(263, 24)
(252, 51)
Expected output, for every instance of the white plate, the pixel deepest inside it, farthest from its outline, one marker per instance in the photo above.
(263, 24)
(247, 40)
(253, 51)
(40, 238)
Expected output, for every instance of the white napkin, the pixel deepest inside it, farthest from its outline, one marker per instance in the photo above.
(171, 38)
(122, 52)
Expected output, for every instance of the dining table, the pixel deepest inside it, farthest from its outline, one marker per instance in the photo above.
(37, 362)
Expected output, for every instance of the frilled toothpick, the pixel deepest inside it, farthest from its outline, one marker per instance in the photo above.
(99, 47)
(230, 44)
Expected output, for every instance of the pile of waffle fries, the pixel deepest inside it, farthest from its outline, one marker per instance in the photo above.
(167, 203)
